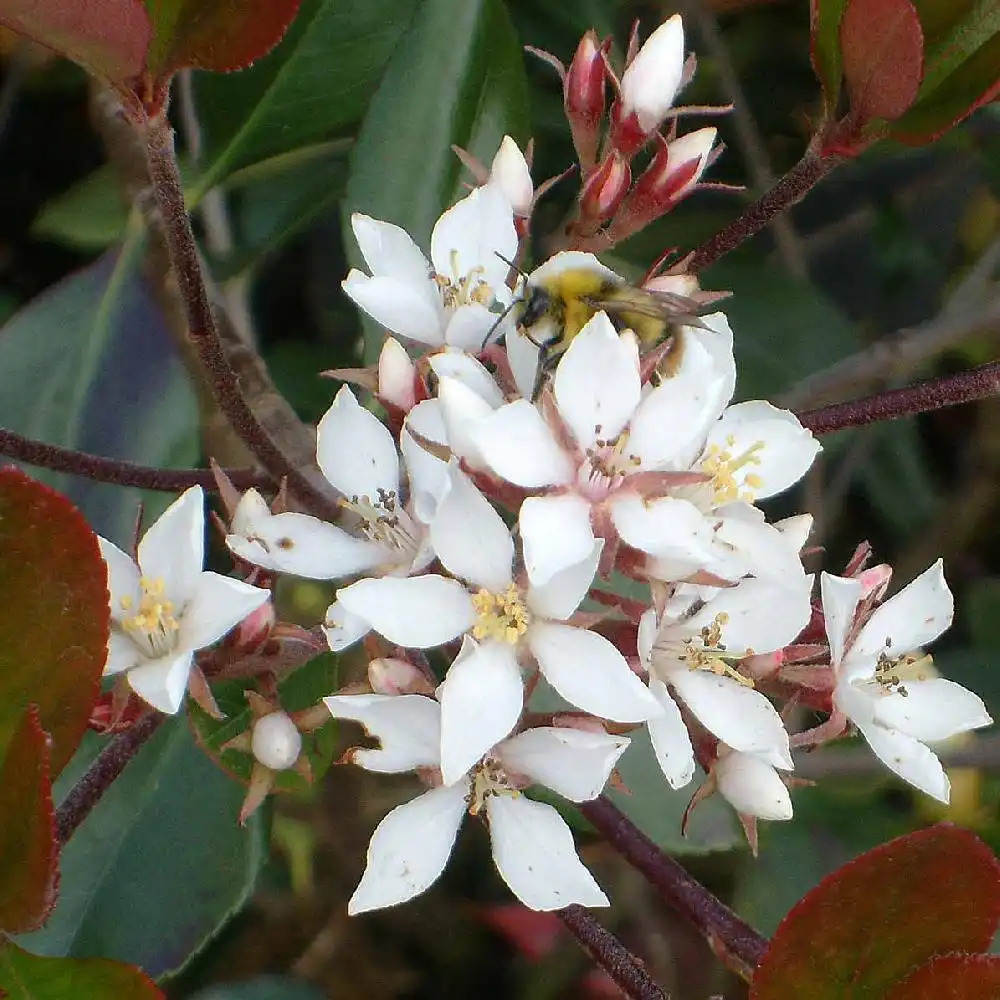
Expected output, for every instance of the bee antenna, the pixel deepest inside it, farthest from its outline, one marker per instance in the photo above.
(511, 264)
(499, 320)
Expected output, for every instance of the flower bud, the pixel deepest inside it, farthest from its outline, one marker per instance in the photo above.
(275, 742)
(604, 191)
(397, 376)
(509, 172)
(751, 785)
(583, 98)
(391, 675)
(648, 86)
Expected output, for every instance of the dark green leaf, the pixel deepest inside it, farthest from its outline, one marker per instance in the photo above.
(825, 48)
(456, 77)
(159, 865)
(263, 988)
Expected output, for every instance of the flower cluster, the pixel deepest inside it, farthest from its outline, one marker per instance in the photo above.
(589, 531)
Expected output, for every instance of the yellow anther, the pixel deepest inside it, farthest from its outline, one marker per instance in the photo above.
(153, 627)
(502, 616)
(707, 652)
(723, 466)
(488, 779)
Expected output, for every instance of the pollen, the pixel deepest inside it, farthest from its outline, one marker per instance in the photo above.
(488, 779)
(502, 616)
(731, 478)
(462, 290)
(383, 520)
(707, 652)
(153, 627)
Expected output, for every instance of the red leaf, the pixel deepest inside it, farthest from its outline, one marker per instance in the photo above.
(952, 977)
(882, 50)
(219, 35)
(29, 853)
(33, 977)
(54, 613)
(872, 922)
(109, 38)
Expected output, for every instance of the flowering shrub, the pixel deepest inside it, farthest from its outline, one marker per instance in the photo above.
(550, 530)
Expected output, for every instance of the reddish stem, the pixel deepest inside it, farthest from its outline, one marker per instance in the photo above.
(611, 955)
(789, 190)
(733, 940)
(111, 470)
(101, 774)
(950, 390)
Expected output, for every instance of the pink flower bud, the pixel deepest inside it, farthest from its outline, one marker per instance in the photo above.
(583, 98)
(390, 675)
(509, 172)
(604, 190)
(397, 376)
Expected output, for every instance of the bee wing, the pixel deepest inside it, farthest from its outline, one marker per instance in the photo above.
(659, 305)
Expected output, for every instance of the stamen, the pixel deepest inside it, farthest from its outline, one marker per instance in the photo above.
(488, 779)
(153, 627)
(722, 465)
(502, 616)
(707, 652)
(383, 520)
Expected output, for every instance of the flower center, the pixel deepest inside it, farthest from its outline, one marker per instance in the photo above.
(383, 520)
(462, 290)
(153, 628)
(608, 463)
(891, 671)
(707, 652)
(503, 616)
(488, 779)
(722, 465)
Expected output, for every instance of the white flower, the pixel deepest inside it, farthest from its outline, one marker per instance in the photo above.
(501, 618)
(275, 741)
(509, 172)
(691, 654)
(651, 81)
(751, 785)
(449, 300)
(896, 715)
(167, 607)
(696, 146)
(655, 467)
(356, 453)
(532, 846)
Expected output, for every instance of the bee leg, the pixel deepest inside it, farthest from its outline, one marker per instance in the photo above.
(547, 360)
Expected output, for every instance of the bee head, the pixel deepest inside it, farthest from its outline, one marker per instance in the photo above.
(534, 305)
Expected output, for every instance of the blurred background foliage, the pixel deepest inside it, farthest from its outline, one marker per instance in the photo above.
(356, 111)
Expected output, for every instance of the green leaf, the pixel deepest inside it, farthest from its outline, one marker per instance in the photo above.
(159, 866)
(957, 977)
(954, 35)
(54, 613)
(24, 976)
(219, 35)
(263, 988)
(825, 19)
(317, 81)
(89, 216)
(108, 38)
(301, 690)
(456, 77)
(90, 365)
(29, 853)
(869, 924)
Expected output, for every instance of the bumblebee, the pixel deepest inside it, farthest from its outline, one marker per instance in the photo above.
(557, 305)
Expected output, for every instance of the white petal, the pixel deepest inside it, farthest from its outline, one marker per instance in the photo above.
(715, 336)
(123, 653)
(565, 590)
(305, 546)
(409, 849)
(469, 372)
(597, 382)
(522, 355)
(388, 249)
(932, 710)
(648, 632)
(738, 715)
(509, 171)
(162, 683)
(250, 511)
(746, 544)
(518, 446)
(355, 450)
(840, 600)
(555, 533)
(535, 855)
(574, 763)
(469, 327)
(342, 629)
(396, 375)
(462, 410)
(651, 81)
(590, 673)
(123, 580)
(407, 726)
(796, 530)
(173, 550)
(408, 310)
(428, 474)
(752, 786)
(664, 528)
(418, 611)
(670, 738)
(481, 700)
(917, 615)
(782, 449)
(470, 537)
(908, 758)
(218, 604)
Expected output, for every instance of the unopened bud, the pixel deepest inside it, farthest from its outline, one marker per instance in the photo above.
(875, 581)
(648, 86)
(510, 173)
(604, 191)
(583, 99)
(276, 742)
(751, 785)
(675, 284)
(390, 675)
(396, 376)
